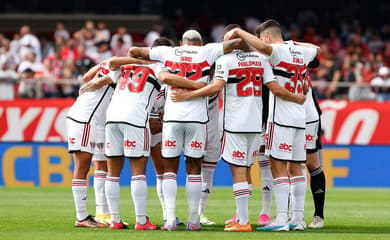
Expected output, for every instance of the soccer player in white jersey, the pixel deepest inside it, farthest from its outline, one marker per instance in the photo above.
(85, 126)
(286, 121)
(240, 75)
(184, 125)
(127, 130)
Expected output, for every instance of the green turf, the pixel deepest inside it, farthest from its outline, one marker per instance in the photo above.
(47, 213)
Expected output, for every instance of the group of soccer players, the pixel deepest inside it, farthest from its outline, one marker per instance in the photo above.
(163, 101)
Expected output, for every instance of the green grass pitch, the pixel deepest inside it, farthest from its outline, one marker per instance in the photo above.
(48, 213)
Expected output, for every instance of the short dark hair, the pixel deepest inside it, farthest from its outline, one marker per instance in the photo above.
(162, 41)
(229, 27)
(271, 23)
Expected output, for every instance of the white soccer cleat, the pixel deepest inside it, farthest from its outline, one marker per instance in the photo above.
(205, 221)
(297, 226)
(317, 223)
(274, 227)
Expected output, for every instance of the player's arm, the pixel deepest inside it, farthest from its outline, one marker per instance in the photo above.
(251, 39)
(211, 90)
(281, 92)
(304, 44)
(178, 81)
(230, 45)
(95, 84)
(116, 62)
(155, 125)
(139, 52)
(91, 73)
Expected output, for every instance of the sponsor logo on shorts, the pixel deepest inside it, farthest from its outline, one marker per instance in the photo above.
(170, 144)
(237, 155)
(196, 145)
(284, 147)
(129, 144)
(309, 138)
(72, 140)
(266, 137)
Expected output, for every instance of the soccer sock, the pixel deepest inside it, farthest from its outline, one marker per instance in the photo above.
(159, 179)
(266, 183)
(139, 195)
(298, 193)
(169, 187)
(304, 173)
(207, 184)
(79, 189)
(242, 193)
(317, 185)
(112, 196)
(193, 190)
(281, 190)
(99, 181)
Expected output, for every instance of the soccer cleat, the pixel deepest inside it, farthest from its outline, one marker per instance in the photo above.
(205, 221)
(89, 222)
(297, 226)
(115, 225)
(169, 227)
(147, 226)
(193, 227)
(264, 219)
(231, 220)
(272, 227)
(237, 227)
(179, 222)
(317, 223)
(103, 218)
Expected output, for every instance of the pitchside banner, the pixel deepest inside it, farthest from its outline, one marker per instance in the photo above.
(33, 151)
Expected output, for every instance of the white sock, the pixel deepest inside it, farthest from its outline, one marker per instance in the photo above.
(79, 189)
(139, 195)
(207, 184)
(304, 173)
(169, 187)
(267, 183)
(193, 190)
(241, 193)
(281, 189)
(298, 193)
(99, 181)
(159, 179)
(112, 196)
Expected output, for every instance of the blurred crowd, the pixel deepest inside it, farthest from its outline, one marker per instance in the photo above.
(353, 63)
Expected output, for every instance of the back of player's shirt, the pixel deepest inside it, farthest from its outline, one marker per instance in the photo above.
(194, 63)
(93, 103)
(289, 63)
(135, 92)
(243, 73)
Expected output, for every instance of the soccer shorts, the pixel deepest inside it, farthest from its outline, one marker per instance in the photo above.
(240, 149)
(81, 136)
(213, 143)
(313, 136)
(262, 138)
(126, 140)
(285, 143)
(187, 137)
(98, 153)
(156, 138)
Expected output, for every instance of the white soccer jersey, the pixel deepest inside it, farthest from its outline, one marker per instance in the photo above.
(243, 73)
(194, 63)
(136, 90)
(158, 106)
(289, 63)
(92, 104)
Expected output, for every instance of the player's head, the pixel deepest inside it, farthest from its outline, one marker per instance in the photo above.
(162, 41)
(192, 37)
(229, 27)
(269, 31)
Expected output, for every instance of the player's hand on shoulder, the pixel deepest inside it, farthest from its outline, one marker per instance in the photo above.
(301, 98)
(179, 95)
(200, 85)
(232, 34)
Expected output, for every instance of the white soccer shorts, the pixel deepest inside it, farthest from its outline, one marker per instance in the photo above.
(213, 143)
(187, 137)
(99, 149)
(81, 136)
(126, 140)
(156, 138)
(240, 149)
(313, 137)
(285, 143)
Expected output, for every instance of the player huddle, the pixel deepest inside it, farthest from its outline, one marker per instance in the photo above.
(163, 101)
